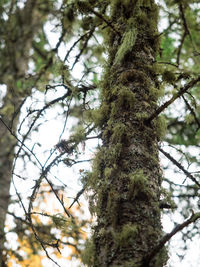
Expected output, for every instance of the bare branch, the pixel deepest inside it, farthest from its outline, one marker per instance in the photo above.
(180, 93)
(180, 166)
(167, 237)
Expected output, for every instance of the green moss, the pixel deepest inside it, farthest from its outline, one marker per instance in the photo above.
(160, 126)
(87, 255)
(138, 184)
(59, 220)
(78, 135)
(141, 116)
(113, 153)
(98, 116)
(114, 110)
(7, 110)
(108, 172)
(131, 263)
(161, 258)
(154, 70)
(127, 235)
(138, 179)
(168, 76)
(128, 41)
(83, 6)
(118, 132)
(92, 178)
(126, 3)
(189, 118)
(166, 198)
(156, 93)
(86, 23)
(141, 17)
(126, 97)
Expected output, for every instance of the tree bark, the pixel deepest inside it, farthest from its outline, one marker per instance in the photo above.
(126, 177)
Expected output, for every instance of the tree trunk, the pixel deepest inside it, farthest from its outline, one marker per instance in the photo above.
(19, 31)
(126, 175)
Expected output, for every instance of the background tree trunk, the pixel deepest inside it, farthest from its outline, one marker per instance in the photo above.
(19, 31)
(126, 174)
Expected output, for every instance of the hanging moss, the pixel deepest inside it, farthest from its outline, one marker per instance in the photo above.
(160, 127)
(87, 23)
(87, 254)
(126, 97)
(98, 116)
(114, 152)
(168, 76)
(156, 93)
(60, 221)
(78, 135)
(8, 110)
(138, 183)
(118, 133)
(128, 41)
(141, 116)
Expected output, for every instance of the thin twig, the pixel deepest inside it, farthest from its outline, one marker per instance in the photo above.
(105, 20)
(192, 112)
(77, 197)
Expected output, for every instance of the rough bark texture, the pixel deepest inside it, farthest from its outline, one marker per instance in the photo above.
(126, 174)
(19, 32)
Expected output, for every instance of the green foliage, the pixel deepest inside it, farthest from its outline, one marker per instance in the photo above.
(167, 48)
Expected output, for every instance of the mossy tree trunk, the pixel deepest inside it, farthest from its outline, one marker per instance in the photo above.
(126, 175)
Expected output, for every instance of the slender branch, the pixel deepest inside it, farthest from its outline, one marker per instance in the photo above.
(21, 142)
(105, 20)
(173, 98)
(180, 166)
(75, 43)
(187, 30)
(192, 111)
(180, 48)
(167, 237)
(83, 48)
(167, 63)
(77, 197)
